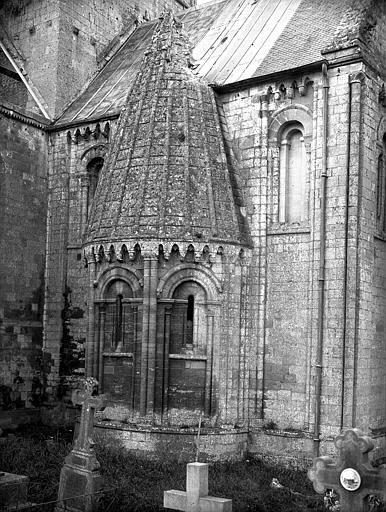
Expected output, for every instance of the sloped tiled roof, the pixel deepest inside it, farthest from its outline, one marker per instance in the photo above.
(166, 176)
(233, 41)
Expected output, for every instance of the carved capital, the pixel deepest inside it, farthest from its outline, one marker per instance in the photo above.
(357, 77)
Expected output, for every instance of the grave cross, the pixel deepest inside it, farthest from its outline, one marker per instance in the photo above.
(89, 404)
(353, 477)
(196, 498)
(80, 479)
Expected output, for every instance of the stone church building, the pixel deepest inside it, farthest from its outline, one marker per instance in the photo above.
(193, 212)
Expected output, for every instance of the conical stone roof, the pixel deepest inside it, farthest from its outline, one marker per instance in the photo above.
(166, 176)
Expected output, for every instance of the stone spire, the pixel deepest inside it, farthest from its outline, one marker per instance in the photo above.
(166, 176)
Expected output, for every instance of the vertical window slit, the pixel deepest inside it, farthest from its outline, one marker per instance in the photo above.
(189, 320)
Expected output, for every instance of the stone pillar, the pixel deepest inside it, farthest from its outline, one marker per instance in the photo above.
(102, 320)
(355, 272)
(145, 335)
(91, 363)
(152, 340)
(209, 364)
(135, 354)
(165, 377)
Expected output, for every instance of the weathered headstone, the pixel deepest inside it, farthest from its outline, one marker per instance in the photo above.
(196, 498)
(80, 477)
(352, 477)
(13, 491)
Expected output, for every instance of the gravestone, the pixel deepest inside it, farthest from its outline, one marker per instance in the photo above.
(352, 477)
(80, 477)
(196, 498)
(13, 492)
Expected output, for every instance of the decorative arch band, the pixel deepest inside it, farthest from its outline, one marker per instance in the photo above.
(290, 114)
(186, 272)
(133, 279)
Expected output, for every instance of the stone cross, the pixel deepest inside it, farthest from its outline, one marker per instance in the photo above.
(89, 404)
(80, 479)
(196, 498)
(352, 477)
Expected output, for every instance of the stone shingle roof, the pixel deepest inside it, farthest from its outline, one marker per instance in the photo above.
(232, 41)
(166, 176)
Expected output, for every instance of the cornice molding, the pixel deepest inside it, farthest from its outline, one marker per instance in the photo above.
(13, 113)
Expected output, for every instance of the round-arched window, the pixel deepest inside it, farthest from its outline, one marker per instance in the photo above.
(293, 175)
(93, 171)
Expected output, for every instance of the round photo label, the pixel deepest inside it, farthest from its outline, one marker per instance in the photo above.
(350, 479)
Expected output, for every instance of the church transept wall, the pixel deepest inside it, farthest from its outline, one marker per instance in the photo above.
(23, 181)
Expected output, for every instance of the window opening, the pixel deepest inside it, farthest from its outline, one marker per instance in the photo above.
(293, 176)
(118, 321)
(93, 170)
(189, 321)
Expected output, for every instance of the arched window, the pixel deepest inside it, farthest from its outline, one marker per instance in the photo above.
(186, 334)
(293, 175)
(93, 170)
(118, 324)
(189, 321)
(88, 184)
(188, 380)
(118, 336)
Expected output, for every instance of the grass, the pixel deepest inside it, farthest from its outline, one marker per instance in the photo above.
(140, 483)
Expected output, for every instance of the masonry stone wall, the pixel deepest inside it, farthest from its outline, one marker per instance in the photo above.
(23, 202)
(371, 376)
(340, 288)
(267, 344)
(284, 288)
(211, 376)
(280, 287)
(65, 324)
(32, 27)
(12, 90)
(63, 42)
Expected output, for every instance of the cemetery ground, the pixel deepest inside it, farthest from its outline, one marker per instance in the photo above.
(137, 484)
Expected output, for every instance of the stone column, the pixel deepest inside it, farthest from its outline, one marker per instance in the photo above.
(152, 340)
(145, 334)
(135, 353)
(102, 320)
(356, 274)
(91, 363)
(168, 312)
(209, 363)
